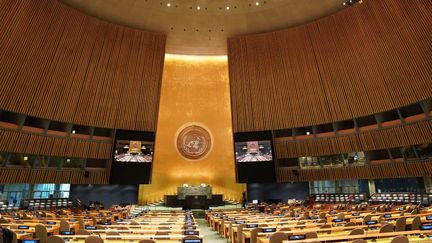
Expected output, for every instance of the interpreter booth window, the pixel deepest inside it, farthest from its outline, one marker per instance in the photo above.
(355, 158)
(43, 190)
(342, 186)
(13, 193)
(332, 160)
(309, 162)
(64, 191)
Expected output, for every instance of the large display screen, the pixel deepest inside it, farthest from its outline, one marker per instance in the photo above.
(132, 155)
(133, 151)
(253, 151)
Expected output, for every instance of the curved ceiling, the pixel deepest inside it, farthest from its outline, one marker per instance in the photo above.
(201, 27)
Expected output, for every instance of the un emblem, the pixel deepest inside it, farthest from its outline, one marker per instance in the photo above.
(194, 142)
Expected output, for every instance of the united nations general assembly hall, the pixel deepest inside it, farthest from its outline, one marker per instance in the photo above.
(215, 121)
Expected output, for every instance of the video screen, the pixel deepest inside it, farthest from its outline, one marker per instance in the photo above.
(133, 151)
(253, 151)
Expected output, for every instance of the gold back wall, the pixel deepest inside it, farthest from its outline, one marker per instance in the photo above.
(195, 90)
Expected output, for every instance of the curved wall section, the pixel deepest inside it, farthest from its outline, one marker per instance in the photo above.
(369, 58)
(59, 64)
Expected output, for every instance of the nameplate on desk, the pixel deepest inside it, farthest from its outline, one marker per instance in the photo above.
(251, 225)
(387, 215)
(90, 227)
(117, 220)
(371, 222)
(29, 241)
(16, 218)
(191, 232)
(426, 227)
(239, 222)
(106, 223)
(338, 220)
(67, 233)
(51, 222)
(268, 230)
(230, 219)
(355, 214)
(401, 209)
(23, 227)
(192, 241)
(314, 217)
(296, 237)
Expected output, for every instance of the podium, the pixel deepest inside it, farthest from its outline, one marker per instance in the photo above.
(194, 197)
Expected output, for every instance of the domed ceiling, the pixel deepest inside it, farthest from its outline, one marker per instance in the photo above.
(201, 27)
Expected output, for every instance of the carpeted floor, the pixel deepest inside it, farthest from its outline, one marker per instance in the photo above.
(208, 234)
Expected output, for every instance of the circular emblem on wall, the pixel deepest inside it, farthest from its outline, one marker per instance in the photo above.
(194, 142)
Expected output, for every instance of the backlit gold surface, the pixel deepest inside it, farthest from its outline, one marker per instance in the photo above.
(195, 89)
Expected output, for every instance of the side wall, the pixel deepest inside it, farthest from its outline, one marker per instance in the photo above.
(60, 64)
(369, 58)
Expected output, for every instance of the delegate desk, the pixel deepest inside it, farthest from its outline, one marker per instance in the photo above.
(413, 236)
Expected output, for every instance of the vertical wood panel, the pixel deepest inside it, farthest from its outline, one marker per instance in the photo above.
(60, 64)
(369, 58)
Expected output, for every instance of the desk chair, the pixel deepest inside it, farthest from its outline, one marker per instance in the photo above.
(41, 233)
(278, 237)
(400, 224)
(386, 228)
(54, 239)
(400, 239)
(359, 241)
(93, 239)
(357, 232)
(254, 233)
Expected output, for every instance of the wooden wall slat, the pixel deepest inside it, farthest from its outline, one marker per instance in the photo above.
(17, 142)
(400, 136)
(60, 64)
(368, 58)
(391, 170)
(35, 176)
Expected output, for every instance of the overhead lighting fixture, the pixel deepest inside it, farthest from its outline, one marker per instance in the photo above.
(307, 133)
(25, 158)
(198, 7)
(257, 3)
(73, 131)
(68, 160)
(168, 4)
(227, 8)
(351, 2)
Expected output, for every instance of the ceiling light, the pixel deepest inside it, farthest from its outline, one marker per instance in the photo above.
(257, 3)
(307, 133)
(67, 160)
(227, 7)
(198, 8)
(168, 4)
(25, 158)
(73, 131)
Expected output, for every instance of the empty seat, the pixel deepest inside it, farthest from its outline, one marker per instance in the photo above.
(400, 239)
(416, 223)
(93, 239)
(400, 224)
(254, 234)
(357, 232)
(41, 233)
(386, 228)
(54, 239)
(278, 237)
